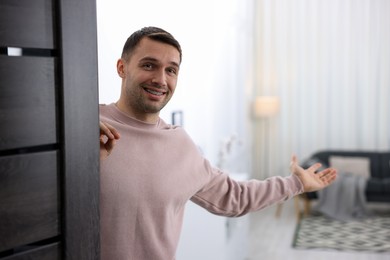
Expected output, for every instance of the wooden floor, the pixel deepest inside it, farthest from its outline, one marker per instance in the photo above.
(271, 239)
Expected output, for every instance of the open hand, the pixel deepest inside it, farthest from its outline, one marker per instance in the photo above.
(312, 180)
(108, 137)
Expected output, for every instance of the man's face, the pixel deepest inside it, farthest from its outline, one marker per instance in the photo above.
(149, 78)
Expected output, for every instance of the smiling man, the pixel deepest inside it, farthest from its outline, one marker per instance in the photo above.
(149, 75)
(151, 169)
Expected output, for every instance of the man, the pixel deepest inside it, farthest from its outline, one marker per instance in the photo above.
(150, 169)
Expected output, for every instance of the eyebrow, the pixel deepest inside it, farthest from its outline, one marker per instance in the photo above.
(156, 60)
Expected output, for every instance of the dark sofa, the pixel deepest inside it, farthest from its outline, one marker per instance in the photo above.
(378, 184)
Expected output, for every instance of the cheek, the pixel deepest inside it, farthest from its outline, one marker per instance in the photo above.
(172, 85)
(133, 80)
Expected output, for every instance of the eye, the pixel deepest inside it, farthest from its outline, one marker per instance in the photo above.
(172, 71)
(147, 66)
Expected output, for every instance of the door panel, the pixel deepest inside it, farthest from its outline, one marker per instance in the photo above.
(29, 201)
(26, 23)
(27, 102)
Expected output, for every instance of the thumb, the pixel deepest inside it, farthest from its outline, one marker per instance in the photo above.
(294, 160)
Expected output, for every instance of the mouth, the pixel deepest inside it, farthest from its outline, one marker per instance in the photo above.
(155, 92)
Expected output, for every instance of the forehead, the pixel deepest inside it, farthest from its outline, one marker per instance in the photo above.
(160, 51)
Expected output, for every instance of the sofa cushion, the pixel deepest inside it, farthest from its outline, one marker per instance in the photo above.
(355, 165)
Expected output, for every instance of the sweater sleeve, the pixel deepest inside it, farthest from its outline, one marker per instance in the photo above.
(226, 197)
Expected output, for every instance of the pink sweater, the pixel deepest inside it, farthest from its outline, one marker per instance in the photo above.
(151, 174)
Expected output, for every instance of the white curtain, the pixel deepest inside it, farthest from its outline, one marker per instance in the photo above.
(329, 63)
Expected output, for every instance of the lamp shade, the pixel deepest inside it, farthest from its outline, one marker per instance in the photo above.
(266, 106)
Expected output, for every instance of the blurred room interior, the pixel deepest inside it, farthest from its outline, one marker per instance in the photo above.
(261, 80)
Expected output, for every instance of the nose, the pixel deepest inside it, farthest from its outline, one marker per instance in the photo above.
(159, 78)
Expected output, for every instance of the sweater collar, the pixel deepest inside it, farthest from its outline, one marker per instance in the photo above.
(122, 117)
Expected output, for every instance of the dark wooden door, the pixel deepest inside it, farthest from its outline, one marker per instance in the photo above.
(49, 155)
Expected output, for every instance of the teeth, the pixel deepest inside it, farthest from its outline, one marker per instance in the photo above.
(154, 92)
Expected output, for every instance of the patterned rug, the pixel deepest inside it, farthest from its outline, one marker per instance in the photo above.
(319, 232)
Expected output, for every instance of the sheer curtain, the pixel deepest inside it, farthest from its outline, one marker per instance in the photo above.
(329, 63)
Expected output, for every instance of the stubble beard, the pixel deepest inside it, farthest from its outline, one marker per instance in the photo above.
(139, 103)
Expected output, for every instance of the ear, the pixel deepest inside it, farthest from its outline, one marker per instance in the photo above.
(120, 68)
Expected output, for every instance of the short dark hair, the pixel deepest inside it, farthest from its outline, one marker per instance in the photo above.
(153, 33)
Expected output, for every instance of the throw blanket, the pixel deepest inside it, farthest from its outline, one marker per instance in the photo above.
(345, 199)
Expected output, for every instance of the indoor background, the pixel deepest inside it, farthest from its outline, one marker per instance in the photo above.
(324, 66)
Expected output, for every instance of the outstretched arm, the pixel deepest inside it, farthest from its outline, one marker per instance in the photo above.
(312, 180)
(108, 136)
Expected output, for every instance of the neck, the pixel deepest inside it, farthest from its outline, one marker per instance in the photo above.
(144, 117)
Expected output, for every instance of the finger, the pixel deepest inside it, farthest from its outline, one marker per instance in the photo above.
(294, 159)
(105, 130)
(314, 167)
(328, 175)
(102, 139)
(113, 131)
(293, 162)
(328, 179)
(108, 130)
(109, 145)
(326, 172)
